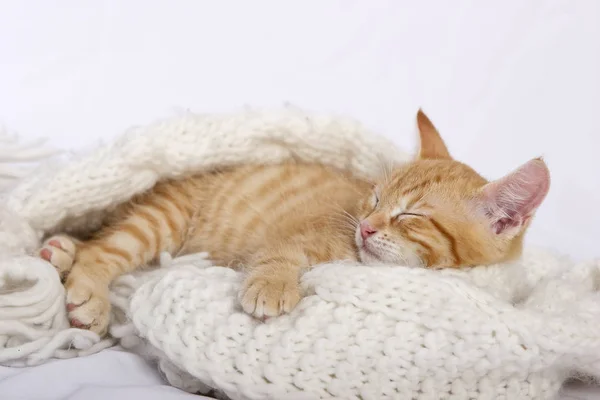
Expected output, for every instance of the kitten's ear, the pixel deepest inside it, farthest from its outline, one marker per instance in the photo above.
(511, 201)
(432, 146)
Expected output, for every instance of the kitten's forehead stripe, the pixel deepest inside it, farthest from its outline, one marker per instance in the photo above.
(400, 178)
(425, 184)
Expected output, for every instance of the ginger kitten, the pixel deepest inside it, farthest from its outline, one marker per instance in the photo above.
(274, 222)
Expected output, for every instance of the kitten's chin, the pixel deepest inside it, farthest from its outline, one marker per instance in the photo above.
(368, 258)
(370, 254)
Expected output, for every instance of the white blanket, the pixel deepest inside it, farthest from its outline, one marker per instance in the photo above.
(508, 331)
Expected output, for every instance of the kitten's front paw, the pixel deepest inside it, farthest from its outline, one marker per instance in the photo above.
(59, 251)
(87, 302)
(269, 297)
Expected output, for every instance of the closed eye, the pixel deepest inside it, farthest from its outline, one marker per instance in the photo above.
(399, 213)
(409, 214)
(375, 197)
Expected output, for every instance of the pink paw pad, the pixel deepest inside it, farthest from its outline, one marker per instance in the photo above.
(77, 324)
(46, 254)
(55, 243)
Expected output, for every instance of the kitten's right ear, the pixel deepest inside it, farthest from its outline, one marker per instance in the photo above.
(432, 146)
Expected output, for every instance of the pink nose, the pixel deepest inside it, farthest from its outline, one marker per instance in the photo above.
(366, 230)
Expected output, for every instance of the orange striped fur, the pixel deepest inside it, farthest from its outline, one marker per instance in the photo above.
(274, 222)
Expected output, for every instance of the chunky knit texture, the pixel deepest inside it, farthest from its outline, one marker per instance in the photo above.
(377, 332)
(513, 331)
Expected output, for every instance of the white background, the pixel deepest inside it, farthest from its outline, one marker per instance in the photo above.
(504, 81)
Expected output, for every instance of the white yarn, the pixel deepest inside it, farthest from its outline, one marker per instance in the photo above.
(13, 151)
(512, 331)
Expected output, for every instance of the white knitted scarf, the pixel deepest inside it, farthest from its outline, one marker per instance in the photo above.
(515, 331)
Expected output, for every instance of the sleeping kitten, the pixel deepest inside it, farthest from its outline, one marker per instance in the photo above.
(273, 222)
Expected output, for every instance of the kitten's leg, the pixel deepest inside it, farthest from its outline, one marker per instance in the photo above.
(133, 242)
(150, 227)
(60, 251)
(272, 286)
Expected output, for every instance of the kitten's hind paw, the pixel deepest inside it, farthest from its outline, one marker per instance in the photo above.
(59, 251)
(88, 305)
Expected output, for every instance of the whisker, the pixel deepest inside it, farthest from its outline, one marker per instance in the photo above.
(386, 166)
(350, 216)
(345, 228)
(350, 223)
(341, 213)
(345, 223)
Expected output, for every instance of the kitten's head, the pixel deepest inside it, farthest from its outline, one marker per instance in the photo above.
(436, 212)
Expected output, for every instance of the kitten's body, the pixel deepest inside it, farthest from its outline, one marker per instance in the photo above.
(275, 221)
(231, 213)
(283, 205)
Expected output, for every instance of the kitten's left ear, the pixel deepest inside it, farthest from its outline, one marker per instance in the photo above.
(511, 201)
(432, 144)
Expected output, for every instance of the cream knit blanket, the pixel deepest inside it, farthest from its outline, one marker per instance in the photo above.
(501, 332)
